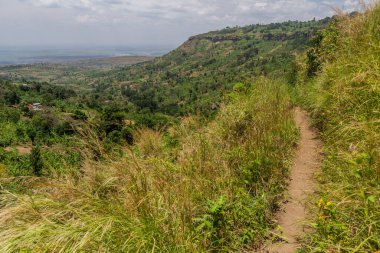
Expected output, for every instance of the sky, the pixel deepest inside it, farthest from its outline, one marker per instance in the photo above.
(139, 23)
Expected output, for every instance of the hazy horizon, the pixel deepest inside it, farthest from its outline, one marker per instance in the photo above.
(16, 55)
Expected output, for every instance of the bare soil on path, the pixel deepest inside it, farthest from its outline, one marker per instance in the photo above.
(22, 150)
(293, 214)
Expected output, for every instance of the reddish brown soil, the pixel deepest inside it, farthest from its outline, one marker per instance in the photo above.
(20, 149)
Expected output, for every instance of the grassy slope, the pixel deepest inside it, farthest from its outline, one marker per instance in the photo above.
(344, 98)
(197, 188)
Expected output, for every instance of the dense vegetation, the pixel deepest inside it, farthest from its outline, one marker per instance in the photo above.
(194, 77)
(23, 127)
(339, 82)
(194, 188)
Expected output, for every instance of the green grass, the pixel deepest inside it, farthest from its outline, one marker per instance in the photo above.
(344, 99)
(196, 188)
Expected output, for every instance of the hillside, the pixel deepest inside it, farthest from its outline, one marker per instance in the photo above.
(194, 77)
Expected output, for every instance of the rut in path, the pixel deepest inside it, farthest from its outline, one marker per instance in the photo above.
(306, 162)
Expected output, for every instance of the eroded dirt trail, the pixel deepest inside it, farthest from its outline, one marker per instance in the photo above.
(306, 162)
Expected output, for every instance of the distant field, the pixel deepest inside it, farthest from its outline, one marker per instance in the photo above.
(73, 73)
(110, 61)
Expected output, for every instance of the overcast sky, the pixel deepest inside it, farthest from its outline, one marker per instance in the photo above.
(142, 22)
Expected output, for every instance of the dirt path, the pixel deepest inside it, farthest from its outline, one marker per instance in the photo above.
(22, 150)
(301, 186)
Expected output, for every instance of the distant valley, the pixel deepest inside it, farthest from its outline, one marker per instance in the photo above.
(17, 55)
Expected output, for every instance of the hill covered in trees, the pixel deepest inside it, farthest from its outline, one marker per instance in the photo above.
(194, 77)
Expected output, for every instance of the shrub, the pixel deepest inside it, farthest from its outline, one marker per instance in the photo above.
(12, 98)
(79, 115)
(64, 128)
(36, 163)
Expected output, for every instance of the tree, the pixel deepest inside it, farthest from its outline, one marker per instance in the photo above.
(112, 118)
(12, 98)
(36, 161)
(44, 123)
(32, 134)
(64, 128)
(37, 87)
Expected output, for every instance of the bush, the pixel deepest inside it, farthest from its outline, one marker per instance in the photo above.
(10, 114)
(127, 134)
(115, 137)
(64, 128)
(12, 98)
(79, 115)
(154, 121)
(36, 163)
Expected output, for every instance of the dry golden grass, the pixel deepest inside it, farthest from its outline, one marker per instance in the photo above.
(149, 142)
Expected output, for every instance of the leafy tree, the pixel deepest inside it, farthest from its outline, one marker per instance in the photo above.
(65, 128)
(36, 162)
(127, 134)
(112, 119)
(10, 114)
(37, 87)
(12, 98)
(32, 134)
(44, 123)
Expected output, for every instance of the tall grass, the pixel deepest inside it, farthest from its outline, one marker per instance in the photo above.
(197, 188)
(344, 98)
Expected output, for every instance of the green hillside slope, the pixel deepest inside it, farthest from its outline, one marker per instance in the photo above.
(194, 77)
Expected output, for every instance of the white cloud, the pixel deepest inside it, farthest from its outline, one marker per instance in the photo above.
(148, 21)
(244, 11)
(84, 19)
(351, 5)
(261, 5)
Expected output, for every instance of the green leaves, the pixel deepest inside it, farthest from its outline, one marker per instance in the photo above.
(36, 162)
